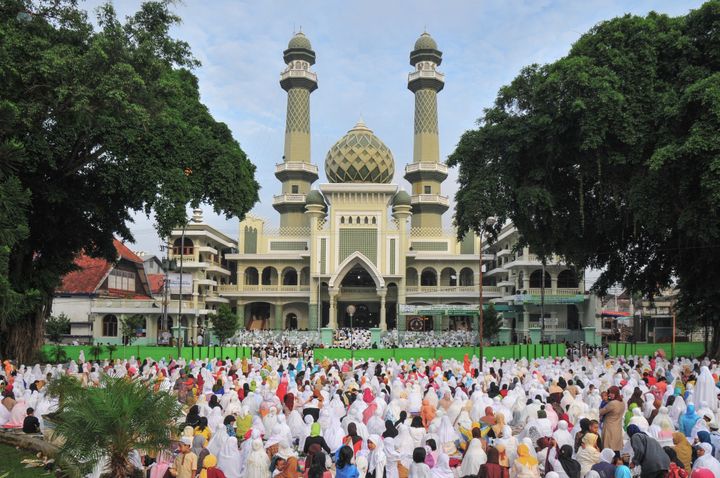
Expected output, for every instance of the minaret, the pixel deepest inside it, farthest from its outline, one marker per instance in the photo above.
(296, 172)
(426, 173)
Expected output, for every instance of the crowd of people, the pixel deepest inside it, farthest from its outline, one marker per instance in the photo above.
(431, 338)
(584, 417)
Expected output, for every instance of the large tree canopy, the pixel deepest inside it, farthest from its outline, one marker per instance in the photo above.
(97, 123)
(610, 157)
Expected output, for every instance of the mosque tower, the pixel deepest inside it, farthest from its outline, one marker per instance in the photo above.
(296, 172)
(426, 173)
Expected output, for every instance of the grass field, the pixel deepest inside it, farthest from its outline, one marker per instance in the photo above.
(10, 466)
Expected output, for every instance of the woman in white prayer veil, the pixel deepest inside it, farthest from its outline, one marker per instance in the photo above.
(404, 442)
(308, 421)
(474, 457)
(218, 439)
(297, 425)
(246, 448)
(215, 418)
(677, 410)
(392, 458)
(229, 458)
(333, 433)
(639, 420)
(562, 435)
(705, 390)
(376, 425)
(442, 467)
(258, 463)
(446, 433)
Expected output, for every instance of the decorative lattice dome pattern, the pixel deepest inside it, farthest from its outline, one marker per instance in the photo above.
(425, 42)
(299, 40)
(359, 157)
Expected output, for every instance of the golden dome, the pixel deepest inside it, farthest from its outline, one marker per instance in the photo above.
(359, 157)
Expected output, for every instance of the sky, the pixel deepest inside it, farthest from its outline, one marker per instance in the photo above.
(362, 65)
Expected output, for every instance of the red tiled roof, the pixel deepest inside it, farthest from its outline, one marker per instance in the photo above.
(126, 253)
(156, 282)
(92, 270)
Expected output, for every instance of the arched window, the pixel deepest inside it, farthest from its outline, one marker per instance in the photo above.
(567, 279)
(269, 276)
(184, 247)
(291, 322)
(110, 326)
(448, 277)
(428, 277)
(251, 276)
(536, 279)
(289, 276)
(466, 276)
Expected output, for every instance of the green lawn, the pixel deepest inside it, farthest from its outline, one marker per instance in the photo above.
(10, 464)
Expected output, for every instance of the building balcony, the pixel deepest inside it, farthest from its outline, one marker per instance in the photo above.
(208, 282)
(217, 268)
(282, 199)
(506, 283)
(429, 170)
(208, 250)
(556, 291)
(304, 74)
(449, 290)
(296, 167)
(430, 199)
(214, 298)
(503, 252)
(495, 271)
(239, 290)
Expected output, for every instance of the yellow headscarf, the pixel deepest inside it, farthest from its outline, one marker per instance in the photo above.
(524, 457)
(208, 462)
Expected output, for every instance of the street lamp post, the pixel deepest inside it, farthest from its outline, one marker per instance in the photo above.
(542, 311)
(481, 317)
(351, 311)
(182, 254)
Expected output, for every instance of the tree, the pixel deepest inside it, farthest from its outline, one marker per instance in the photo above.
(224, 324)
(100, 122)
(610, 158)
(102, 425)
(130, 325)
(491, 322)
(55, 328)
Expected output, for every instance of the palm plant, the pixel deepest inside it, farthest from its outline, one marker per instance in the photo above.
(111, 348)
(96, 350)
(104, 424)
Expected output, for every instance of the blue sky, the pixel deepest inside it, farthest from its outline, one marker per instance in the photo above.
(362, 64)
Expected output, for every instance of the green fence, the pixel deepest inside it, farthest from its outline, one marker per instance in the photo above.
(682, 349)
(155, 352)
(501, 352)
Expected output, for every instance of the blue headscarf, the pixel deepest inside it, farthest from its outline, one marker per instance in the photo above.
(622, 471)
(704, 437)
(688, 421)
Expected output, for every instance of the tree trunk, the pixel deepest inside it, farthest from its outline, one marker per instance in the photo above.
(119, 466)
(713, 351)
(23, 338)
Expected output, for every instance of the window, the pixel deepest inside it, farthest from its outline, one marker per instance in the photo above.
(294, 189)
(110, 326)
(428, 190)
(121, 280)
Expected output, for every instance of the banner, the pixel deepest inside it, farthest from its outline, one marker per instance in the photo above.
(549, 299)
(446, 309)
(174, 282)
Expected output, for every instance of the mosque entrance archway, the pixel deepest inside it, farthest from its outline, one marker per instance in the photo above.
(291, 321)
(366, 316)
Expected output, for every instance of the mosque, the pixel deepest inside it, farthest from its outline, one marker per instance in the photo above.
(357, 251)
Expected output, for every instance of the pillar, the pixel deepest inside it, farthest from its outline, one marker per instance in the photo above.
(383, 313)
(332, 323)
(526, 321)
(278, 322)
(240, 313)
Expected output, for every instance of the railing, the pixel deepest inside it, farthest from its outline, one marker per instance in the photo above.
(426, 74)
(429, 199)
(429, 289)
(551, 291)
(426, 167)
(262, 288)
(298, 74)
(289, 198)
(184, 257)
(296, 166)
